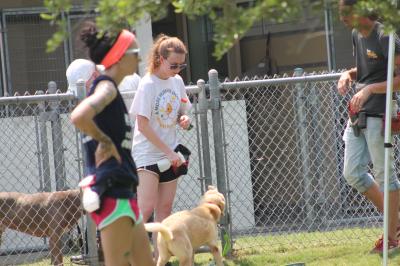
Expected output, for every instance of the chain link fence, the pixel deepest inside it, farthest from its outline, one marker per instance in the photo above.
(40, 153)
(272, 146)
(284, 150)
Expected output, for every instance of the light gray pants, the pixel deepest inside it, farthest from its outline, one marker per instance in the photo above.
(359, 151)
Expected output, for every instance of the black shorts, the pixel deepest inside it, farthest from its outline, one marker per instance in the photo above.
(166, 176)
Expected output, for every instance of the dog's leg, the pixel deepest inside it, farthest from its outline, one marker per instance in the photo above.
(55, 246)
(162, 261)
(163, 253)
(182, 248)
(187, 258)
(216, 254)
(186, 261)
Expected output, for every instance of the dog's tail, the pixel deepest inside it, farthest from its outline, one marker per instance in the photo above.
(158, 227)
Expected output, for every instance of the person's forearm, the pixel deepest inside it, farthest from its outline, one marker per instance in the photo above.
(380, 87)
(353, 73)
(149, 133)
(82, 118)
(91, 129)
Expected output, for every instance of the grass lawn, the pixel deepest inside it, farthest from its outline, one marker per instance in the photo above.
(313, 249)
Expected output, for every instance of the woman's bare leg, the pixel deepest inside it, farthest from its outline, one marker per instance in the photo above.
(165, 201)
(120, 246)
(147, 193)
(141, 252)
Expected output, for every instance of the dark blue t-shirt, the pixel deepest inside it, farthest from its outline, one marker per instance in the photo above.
(112, 178)
(371, 61)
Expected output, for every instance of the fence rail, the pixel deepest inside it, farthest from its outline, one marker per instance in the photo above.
(272, 146)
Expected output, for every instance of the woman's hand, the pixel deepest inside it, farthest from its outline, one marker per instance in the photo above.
(184, 121)
(105, 150)
(174, 158)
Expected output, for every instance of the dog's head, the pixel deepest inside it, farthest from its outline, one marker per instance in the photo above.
(216, 199)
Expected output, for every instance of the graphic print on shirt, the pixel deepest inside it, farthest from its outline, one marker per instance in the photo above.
(166, 107)
(371, 54)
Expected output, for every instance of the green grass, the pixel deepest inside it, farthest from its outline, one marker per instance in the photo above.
(313, 249)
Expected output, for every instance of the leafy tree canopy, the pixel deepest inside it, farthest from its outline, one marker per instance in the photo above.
(231, 21)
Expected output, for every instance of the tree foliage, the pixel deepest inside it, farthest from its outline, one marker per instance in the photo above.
(230, 21)
(388, 11)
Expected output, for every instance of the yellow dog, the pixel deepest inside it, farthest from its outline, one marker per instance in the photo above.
(183, 232)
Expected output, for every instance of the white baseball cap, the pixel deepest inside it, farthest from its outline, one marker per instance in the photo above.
(79, 69)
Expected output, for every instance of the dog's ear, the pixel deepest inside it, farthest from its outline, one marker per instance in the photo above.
(215, 211)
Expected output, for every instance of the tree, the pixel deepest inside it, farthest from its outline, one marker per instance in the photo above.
(230, 20)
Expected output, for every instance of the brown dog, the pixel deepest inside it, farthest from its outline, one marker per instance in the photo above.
(46, 214)
(183, 232)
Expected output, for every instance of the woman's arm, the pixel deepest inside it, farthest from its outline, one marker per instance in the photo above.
(145, 128)
(185, 105)
(184, 121)
(82, 117)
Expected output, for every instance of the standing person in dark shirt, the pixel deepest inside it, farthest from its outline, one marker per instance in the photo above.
(103, 118)
(365, 144)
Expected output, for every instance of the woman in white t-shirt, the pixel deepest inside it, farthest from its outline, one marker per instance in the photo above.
(160, 104)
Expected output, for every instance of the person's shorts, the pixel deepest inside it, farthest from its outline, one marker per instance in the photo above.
(166, 176)
(113, 209)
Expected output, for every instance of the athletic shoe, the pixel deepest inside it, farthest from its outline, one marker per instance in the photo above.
(80, 260)
(83, 259)
(393, 246)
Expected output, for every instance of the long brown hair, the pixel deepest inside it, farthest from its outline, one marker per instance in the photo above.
(164, 46)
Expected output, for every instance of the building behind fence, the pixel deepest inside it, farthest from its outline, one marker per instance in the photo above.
(272, 146)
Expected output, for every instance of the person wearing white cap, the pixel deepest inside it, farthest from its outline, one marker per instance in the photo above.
(80, 69)
(86, 70)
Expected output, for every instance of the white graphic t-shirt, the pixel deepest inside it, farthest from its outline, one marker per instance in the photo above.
(161, 101)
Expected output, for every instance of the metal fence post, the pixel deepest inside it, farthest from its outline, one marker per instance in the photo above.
(90, 226)
(203, 109)
(80, 94)
(300, 100)
(80, 89)
(44, 148)
(39, 152)
(320, 157)
(57, 136)
(219, 145)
